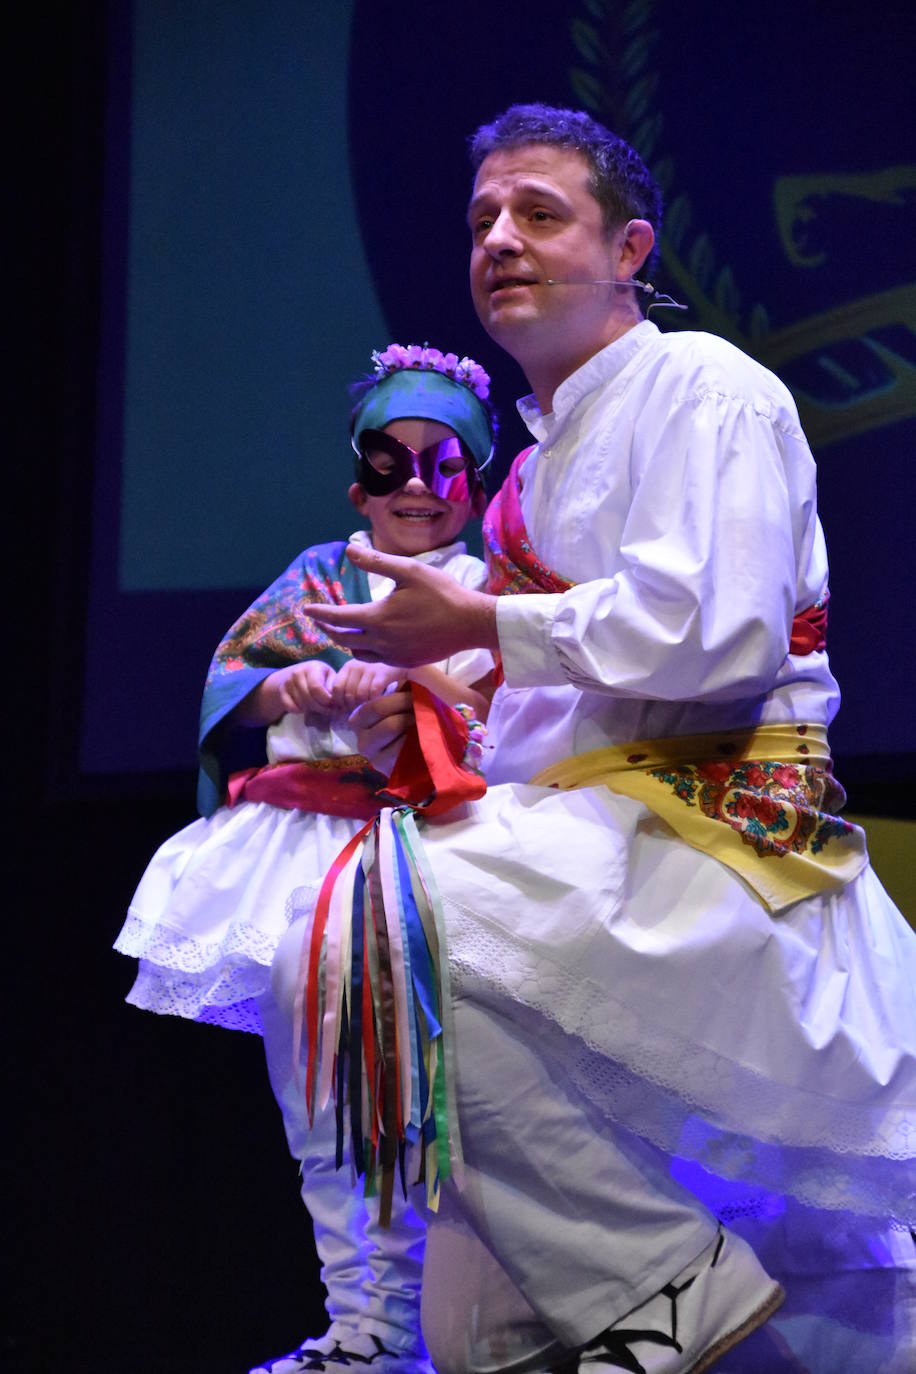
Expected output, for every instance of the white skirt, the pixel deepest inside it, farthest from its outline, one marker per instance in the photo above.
(776, 1051)
(213, 904)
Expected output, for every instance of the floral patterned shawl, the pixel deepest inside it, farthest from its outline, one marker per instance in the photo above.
(273, 632)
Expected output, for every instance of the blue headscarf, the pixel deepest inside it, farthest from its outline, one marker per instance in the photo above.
(419, 394)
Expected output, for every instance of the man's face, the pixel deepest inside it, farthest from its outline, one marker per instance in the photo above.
(532, 217)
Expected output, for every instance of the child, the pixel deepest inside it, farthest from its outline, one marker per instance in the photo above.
(211, 908)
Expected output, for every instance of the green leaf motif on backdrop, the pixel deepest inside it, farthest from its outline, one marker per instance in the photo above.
(852, 367)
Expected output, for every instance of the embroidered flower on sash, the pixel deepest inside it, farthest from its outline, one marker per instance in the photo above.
(773, 806)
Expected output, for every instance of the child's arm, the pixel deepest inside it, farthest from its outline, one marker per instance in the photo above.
(302, 688)
(453, 692)
(357, 683)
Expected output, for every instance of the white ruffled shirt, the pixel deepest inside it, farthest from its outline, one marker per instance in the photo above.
(673, 485)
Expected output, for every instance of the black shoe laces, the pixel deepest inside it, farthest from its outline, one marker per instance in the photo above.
(613, 1346)
(317, 1360)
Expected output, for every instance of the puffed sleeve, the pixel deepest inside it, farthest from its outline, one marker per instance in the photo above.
(706, 571)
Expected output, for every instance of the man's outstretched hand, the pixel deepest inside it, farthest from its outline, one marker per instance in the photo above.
(427, 617)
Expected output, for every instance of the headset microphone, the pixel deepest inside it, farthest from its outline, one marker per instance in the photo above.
(659, 298)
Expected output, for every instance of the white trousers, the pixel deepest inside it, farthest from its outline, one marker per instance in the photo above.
(584, 1219)
(372, 1275)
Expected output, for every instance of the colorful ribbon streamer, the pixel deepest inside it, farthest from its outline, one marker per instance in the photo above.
(373, 996)
(375, 1003)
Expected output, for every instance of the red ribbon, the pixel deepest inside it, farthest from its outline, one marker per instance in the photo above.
(809, 629)
(310, 983)
(427, 773)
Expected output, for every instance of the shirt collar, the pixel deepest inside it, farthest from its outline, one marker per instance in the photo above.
(601, 368)
(436, 557)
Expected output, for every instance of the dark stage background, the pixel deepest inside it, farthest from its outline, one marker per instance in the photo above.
(226, 207)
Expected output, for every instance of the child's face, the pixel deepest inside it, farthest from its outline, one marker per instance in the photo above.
(412, 520)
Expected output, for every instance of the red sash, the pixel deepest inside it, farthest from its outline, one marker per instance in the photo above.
(809, 628)
(512, 565)
(428, 774)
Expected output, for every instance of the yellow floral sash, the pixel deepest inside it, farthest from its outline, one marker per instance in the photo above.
(753, 799)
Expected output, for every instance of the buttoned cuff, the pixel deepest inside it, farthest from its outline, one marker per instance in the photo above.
(525, 628)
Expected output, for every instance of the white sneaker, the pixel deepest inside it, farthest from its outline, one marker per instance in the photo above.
(686, 1326)
(337, 1351)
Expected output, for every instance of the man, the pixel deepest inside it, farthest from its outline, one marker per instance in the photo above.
(643, 912)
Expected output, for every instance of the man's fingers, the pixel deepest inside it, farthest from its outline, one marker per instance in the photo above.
(350, 632)
(385, 759)
(382, 708)
(382, 743)
(385, 564)
(384, 731)
(382, 724)
(343, 616)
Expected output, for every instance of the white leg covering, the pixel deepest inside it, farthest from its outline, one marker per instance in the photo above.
(372, 1275)
(392, 1289)
(585, 1221)
(474, 1318)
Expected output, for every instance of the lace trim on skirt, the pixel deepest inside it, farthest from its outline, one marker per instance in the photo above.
(159, 944)
(226, 998)
(686, 1098)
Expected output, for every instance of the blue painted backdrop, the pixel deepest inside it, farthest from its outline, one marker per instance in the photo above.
(286, 190)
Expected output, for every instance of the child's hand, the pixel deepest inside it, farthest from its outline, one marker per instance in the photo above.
(303, 688)
(357, 682)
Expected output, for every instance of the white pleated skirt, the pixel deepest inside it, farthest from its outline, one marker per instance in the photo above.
(212, 906)
(776, 1051)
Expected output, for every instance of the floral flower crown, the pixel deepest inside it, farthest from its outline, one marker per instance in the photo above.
(397, 358)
